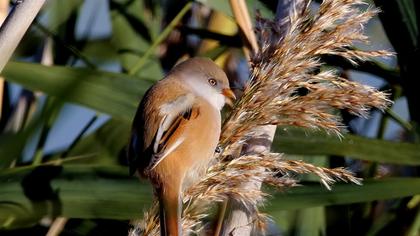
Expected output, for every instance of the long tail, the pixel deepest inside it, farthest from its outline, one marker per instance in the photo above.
(170, 212)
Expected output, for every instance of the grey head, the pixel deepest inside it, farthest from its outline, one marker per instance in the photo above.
(205, 79)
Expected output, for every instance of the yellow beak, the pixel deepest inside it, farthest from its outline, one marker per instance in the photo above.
(228, 93)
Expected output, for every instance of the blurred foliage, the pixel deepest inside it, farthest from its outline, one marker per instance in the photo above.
(88, 183)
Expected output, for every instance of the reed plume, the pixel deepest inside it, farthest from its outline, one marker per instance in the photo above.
(288, 85)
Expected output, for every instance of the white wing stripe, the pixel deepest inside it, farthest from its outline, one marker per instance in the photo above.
(169, 150)
(169, 112)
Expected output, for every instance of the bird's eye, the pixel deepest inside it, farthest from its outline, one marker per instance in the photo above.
(212, 82)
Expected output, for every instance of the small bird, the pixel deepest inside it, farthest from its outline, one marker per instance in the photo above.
(175, 133)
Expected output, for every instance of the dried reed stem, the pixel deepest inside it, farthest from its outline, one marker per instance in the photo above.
(57, 226)
(235, 215)
(15, 26)
(4, 9)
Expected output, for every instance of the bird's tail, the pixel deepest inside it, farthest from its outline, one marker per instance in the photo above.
(170, 212)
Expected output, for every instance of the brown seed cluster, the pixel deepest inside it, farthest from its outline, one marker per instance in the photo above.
(288, 85)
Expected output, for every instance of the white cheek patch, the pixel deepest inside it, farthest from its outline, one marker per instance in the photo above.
(216, 99)
(219, 101)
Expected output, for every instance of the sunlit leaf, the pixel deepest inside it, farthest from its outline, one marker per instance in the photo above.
(28, 194)
(107, 192)
(131, 46)
(106, 144)
(115, 94)
(58, 12)
(297, 141)
(312, 195)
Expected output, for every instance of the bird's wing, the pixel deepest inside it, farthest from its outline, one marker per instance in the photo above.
(174, 115)
(161, 124)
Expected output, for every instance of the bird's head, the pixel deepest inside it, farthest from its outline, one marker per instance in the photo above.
(207, 80)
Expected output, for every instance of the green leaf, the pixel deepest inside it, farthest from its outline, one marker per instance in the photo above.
(76, 191)
(310, 222)
(100, 51)
(119, 94)
(408, 11)
(298, 141)
(343, 193)
(60, 11)
(12, 144)
(106, 144)
(224, 7)
(115, 94)
(133, 18)
(313, 196)
(131, 46)
(28, 194)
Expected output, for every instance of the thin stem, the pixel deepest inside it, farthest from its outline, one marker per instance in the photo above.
(80, 135)
(415, 226)
(371, 170)
(140, 63)
(57, 226)
(70, 48)
(50, 103)
(220, 217)
(4, 8)
(240, 11)
(407, 126)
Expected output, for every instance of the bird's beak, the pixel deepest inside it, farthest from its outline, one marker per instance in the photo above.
(230, 96)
